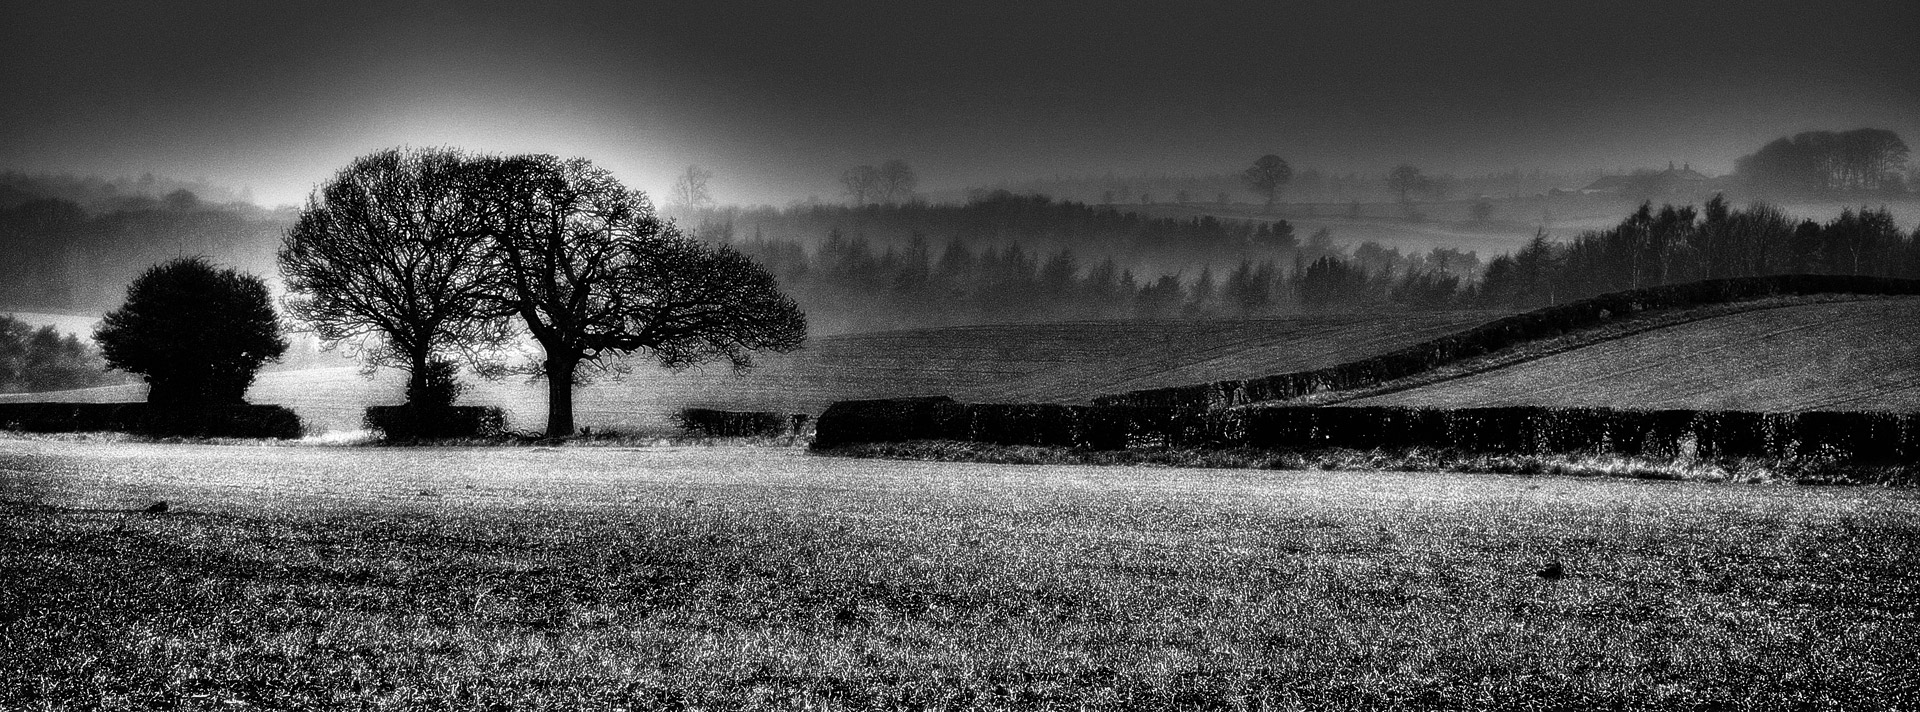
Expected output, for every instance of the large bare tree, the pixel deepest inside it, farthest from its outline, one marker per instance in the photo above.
(594, 274)
(389, 256)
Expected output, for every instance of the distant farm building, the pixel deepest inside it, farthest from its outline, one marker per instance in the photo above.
(1644, 183)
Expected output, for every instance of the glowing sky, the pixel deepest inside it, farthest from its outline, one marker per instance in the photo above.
(777, 97)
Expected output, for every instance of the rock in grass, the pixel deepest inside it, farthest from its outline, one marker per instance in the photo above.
(1553, 572)
(159, 507)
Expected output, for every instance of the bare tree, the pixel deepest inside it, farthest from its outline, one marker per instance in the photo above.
(862, 184)
(594, 273)
(1267, 176)
(388, 256)
(692, 189)
(897, 181)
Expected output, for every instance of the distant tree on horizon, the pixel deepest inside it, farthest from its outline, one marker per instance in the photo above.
(693, 189)
(897, 181)
(1267, 175)
(1816, 162)
(861, 184)
(1405, 179)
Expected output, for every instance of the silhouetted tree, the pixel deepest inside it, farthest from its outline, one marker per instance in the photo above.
(897, 182)
(594, 273)
(196, 333)
(390, 256)
(1818, 161)
(1267, 176)
(862, 184)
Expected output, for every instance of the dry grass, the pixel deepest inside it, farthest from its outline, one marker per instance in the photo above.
(764, 578)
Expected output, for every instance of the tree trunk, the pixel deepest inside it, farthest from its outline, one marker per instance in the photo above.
(559, 369)
(416, 377)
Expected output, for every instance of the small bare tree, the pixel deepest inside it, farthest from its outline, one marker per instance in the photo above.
(862, 184)
(692, 189)
(897, 181)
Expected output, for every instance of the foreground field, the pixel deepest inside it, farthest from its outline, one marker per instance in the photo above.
(739, 578)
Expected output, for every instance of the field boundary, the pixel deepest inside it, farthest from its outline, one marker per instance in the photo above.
(1552, 346)
(1843, 437)
(1504, 333)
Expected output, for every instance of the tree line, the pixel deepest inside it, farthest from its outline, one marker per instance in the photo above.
(44, 359)
(1672, 245)
(851, 284)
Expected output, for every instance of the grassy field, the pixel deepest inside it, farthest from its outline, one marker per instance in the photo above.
(307, 577)
(1855, 355)
(1020, 362)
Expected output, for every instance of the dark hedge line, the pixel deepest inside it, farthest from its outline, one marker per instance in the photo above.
(1503, 333)
(408, 422)
(235, 421)
(707, 422)
(1840, 436)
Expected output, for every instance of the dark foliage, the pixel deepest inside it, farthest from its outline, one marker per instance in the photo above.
(43, 359)
(197, 333)
(228, 421)
(1503, 333)
(1825, 162)
(419, 422)
(707, 422)
(1674, 245)
(1851, 437)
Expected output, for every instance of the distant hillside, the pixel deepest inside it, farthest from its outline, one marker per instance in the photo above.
(1860, 355)
(1027, 362)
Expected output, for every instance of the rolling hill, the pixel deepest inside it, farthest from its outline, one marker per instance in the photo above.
(1853, 355)
(1066, 362)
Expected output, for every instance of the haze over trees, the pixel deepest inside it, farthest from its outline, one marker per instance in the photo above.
(1821, 162)
(892, 183)
(195, 332)
(44, 359)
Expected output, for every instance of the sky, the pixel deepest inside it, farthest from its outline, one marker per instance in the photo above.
(777, 98)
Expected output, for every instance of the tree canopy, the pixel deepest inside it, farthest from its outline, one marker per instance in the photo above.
(1812, 162)
(593, 272)
(197, 333)
(390, 255)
